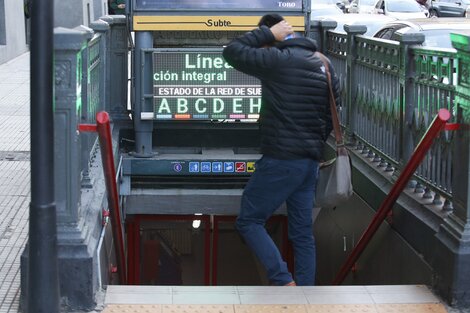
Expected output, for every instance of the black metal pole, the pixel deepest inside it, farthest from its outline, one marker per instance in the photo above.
(43, 274)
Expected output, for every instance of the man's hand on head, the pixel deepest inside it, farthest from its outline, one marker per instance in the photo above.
(281, 30)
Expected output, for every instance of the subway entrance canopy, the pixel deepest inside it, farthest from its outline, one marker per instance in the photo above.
(209, 15)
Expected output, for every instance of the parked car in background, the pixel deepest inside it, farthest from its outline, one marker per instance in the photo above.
(449, 8)
(372, 21)
(362, 6)
(400, 9)
(326, 7)
(436, 30)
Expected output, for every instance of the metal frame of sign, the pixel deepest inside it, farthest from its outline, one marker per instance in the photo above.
(206, 22)
(214, 18)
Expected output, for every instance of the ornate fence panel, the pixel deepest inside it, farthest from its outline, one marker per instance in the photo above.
(336, 47)
(376, 83)
(394, 90)
(434, 88)
(94, 72)
(93, 91)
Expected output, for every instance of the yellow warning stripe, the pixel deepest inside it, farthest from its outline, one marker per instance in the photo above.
(206, 23)
(272, 308)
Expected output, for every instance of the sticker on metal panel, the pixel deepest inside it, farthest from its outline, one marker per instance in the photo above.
(240, 167)
(194, 167)
(217, 167)
(205, 167)
(177, 167)
(250, 167)
(229, 167)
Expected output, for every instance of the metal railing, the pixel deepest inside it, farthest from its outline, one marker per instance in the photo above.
(377, 112)
(93, 100)
(83, 59)
(436, 126)
(391, 90)
(434, 83)
(92, 57)
(103, 129)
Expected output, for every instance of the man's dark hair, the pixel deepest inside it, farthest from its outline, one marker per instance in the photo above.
(270, 20)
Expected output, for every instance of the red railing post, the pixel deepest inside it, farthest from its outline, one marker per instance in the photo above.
(107, 157)
(437, 125)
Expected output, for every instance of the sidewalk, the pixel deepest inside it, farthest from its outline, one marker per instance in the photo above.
(14, 213)
(14, 176)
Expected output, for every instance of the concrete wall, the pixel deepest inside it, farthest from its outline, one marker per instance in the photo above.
(73, 13)
(100, 8)
(12, 30)
(68, 13)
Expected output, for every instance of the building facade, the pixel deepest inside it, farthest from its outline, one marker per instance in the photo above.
(15, 21)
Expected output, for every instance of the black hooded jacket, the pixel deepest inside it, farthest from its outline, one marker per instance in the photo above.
(295, 117)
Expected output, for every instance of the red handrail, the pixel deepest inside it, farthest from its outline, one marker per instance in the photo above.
(437, 125)
(104, 134)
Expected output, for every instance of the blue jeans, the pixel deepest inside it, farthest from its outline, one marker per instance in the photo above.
(274, 182)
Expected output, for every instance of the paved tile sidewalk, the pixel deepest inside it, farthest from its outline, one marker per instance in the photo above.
(14, 176)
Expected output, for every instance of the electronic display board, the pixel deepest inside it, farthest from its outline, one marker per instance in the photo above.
(192, 85)
(209, 5)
